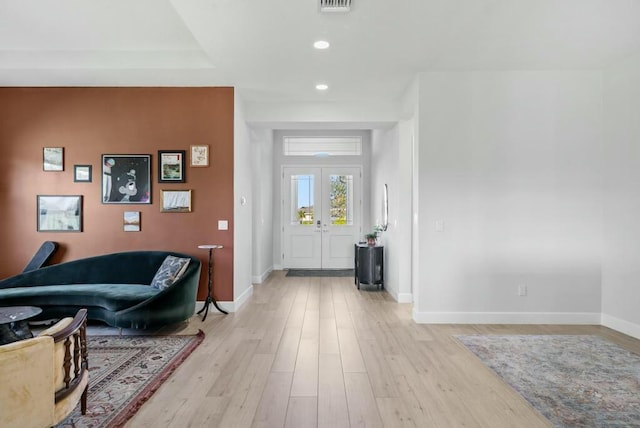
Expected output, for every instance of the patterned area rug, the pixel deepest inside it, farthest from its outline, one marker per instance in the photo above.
(574, 381)
(124, 371)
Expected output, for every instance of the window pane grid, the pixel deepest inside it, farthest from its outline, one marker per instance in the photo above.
(341, 200)
(302, 207)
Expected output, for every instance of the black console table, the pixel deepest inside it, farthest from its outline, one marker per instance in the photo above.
(369, 265)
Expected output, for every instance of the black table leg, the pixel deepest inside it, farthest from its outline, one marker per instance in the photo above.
(209, 300)
(14, 331)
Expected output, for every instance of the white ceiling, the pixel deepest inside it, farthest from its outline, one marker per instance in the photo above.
(264, 48)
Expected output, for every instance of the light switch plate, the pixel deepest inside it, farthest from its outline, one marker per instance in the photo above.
(223, 225)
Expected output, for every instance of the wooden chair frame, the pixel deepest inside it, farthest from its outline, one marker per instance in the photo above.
(76, 334)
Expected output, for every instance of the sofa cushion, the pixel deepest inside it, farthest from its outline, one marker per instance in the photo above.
(170, 271)
(113, 297)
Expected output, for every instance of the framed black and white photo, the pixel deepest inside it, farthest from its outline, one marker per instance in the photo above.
(126, 179)
(82, 173)
(171, 166)
(175, 201)
(59, 213)
(53, 159)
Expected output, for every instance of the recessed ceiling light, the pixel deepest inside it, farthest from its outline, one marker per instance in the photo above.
(321, 44)
(322, 86)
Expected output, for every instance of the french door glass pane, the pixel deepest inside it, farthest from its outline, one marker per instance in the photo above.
(341, 199)
(302, 211)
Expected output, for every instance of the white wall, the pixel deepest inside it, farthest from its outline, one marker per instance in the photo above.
(384, 167)
(389, 166)
(279, 160)
(401, 220)
(322, 115)
(621, 255)
(262, 179)
(510, 167)
(242, 213)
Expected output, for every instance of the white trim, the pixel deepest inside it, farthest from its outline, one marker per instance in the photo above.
(227, 305)
(284, 188)
(259, 279)
(399, 297)
(242, 299)
(507, 317)
(621, 325)
(391, 292)
(405, 298)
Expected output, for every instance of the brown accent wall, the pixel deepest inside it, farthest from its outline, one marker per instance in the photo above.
(89, 122)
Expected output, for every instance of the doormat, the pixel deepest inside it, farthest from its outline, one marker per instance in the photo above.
(320, 272)
(124, 371)
(574, 381)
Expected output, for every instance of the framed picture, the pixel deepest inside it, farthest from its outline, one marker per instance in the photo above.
(200, 155)
(126, 179)
(82, 173)
(171, 166)
(53, 159)
(175, 201)
(59, 213)
(131, 221)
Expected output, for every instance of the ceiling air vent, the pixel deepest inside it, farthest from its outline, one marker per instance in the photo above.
(335, 5)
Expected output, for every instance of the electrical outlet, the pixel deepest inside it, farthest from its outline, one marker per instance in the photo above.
(522, 290)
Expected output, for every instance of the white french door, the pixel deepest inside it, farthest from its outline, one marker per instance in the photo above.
(321, 216)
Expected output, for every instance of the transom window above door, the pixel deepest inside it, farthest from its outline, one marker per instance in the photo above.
(322, 146)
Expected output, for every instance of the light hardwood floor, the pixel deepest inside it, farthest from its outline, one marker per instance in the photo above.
(317, 352)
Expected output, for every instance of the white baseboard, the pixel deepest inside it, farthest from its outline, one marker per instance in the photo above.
(277, 267)
(259, 279)
(227, 305)
(621, 325)
(405, 298)
(399, 297)
(507, 317)
(242, 299)
(224, 305)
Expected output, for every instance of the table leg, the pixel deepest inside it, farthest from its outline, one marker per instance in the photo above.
(210, 298)
(14, 331)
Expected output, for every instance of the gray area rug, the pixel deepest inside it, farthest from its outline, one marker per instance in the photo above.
(574, 381)
(320, 272)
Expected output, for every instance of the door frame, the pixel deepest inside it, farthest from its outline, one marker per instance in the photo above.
(283, 210)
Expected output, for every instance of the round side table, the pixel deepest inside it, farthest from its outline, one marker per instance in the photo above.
(13, 323)
(209, 300)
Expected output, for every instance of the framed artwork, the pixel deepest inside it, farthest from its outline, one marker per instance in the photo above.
(200, 155)
(53, 159)
(126, 179)
(82, 173)
(131, 221)
(59, 213)
(175, 201)
(171, 166)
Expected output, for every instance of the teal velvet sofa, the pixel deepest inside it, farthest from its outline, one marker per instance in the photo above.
(115, 288)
